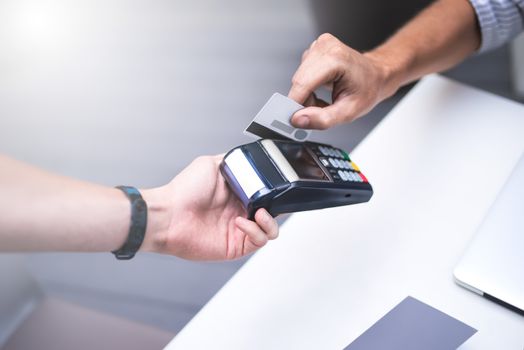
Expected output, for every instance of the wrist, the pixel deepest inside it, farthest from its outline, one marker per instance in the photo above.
(158, 220)
(392, 67)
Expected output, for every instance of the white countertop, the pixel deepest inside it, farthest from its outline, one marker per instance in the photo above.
(436, 163)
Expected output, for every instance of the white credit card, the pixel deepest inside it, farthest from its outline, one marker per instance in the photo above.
(274, 120)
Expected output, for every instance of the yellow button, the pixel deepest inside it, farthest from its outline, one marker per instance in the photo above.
(355, 166)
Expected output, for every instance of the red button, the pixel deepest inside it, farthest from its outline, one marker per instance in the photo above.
(363, 177)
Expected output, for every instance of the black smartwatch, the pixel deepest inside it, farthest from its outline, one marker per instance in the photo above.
(137, 228)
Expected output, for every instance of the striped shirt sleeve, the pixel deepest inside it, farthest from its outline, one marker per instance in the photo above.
(499, 21)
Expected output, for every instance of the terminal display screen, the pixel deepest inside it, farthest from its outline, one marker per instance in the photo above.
(302, 161)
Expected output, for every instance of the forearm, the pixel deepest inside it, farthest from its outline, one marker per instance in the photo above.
(195, 216)
(438, 38)
(40, 211)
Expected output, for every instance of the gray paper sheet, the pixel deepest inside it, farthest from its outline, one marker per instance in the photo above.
(414, 325)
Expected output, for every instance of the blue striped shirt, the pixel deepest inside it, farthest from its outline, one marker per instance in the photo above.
(499, 20)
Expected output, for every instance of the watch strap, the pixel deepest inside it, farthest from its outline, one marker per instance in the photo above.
(137, 228)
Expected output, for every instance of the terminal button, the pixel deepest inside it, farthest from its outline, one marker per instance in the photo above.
(324, 161)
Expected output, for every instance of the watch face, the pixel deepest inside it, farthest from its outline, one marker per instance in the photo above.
(301, 161)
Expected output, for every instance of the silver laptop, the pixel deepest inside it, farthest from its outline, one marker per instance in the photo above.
(493, 265)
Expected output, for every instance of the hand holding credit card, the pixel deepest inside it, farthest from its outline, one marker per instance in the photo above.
(274, 121)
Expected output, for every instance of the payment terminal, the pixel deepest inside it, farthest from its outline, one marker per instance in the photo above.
(285, 176)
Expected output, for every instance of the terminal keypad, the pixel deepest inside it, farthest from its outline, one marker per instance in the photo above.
(339, 165)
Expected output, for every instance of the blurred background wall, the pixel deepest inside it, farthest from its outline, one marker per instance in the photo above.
(130, 91)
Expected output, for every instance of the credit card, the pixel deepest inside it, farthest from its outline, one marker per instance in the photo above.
(273, 121)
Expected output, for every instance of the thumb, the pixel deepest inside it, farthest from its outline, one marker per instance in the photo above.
(322, 118)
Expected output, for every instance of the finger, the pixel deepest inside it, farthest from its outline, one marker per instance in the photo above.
(304, 55)
(306, 52)
(254, 233)
(267, 223)
(322, 118)
(312, 118)
(310, 75)
(302, 118)
(218, 158)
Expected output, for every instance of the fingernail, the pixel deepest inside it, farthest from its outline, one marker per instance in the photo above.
(302, 121)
